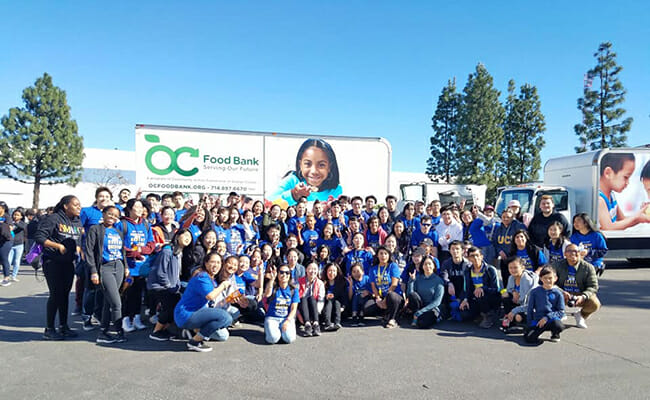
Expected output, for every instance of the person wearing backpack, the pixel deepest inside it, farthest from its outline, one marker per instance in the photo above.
(164, 283)
(105, 257)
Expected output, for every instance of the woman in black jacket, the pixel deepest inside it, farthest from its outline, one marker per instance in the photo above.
(335, 297)
(6, 243)
(60, 235)
(105, 255)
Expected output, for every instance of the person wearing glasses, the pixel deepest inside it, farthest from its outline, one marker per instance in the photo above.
(424, 232)
(579, 283)
(282, 299)
(481, 297)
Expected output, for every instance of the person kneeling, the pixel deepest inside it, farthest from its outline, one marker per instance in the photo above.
(283, 299)
(482, 295)
(579, 283)
(545, 308)
(424, 292)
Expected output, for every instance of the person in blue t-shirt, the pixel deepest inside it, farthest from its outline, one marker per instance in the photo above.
(191, 312)
(282, 299)
(358, 293)
(333, 241)
(358, 254)
(424, 232)
(387, 296)
(308, 236)
(545, 308)
(532, 256)
(555, 243)
(593, 243)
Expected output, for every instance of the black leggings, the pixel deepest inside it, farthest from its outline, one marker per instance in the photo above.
(532, 334)
(308, 309)
(428, 318)
(4, 258)
(59, 278)
(394, 303)
(167, 301)
(332, 312)
(112, 275)
(133, 301)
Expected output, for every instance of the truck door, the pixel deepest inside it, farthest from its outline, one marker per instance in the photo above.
(560, 199)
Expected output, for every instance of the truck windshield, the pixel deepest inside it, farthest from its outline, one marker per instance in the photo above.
(412, 192)
(524, 196)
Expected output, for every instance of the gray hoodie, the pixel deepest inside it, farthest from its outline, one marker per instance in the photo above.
(529, 281)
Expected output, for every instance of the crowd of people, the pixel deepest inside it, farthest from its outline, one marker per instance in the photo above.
(194, 271)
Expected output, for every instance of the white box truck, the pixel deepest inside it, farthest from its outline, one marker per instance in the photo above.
(260, 164)
(611, 185)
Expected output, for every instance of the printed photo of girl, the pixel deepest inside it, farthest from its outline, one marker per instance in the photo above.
(316, 176)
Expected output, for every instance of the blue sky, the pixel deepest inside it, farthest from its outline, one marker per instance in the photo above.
(360, 68)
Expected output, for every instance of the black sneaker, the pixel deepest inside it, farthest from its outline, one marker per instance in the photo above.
(308, 330)
(161, 335)
(76, 311)
(337, 326)
(555, 337)
(316, 329)
(106, 338)
(329, 328)
(201, 347)
(119, 337)
(66, 332)
(52, 334)
(355, 321)
(88, 325)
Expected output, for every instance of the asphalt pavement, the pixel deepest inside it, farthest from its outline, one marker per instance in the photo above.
(610, 359)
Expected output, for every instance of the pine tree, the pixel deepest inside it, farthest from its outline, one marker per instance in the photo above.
(507, 160)
(480, 132)
(601, 125)
(442, 165)
(39, 142)
(524, 127)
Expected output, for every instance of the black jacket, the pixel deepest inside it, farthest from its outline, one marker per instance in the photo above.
(59, 228)
(95, 247)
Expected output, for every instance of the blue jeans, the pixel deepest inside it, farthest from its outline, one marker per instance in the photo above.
(15, 256)
(208, 321)
(273, 331)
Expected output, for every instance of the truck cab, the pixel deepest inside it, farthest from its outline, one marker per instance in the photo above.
(529, 196)
(445, 193)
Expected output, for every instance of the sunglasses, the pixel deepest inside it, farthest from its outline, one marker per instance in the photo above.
(284, 272)
(425, 224)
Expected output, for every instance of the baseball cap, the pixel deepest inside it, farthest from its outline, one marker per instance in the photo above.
(514, 203)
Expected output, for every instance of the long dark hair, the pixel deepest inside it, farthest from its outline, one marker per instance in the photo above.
(65, 200)
(587, 220)
(530, 248)
(332, 180)
(339, 275)
(129, 206)
(174, 241)
(557, 243)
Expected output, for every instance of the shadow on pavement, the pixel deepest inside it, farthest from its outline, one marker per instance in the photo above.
(624, 293)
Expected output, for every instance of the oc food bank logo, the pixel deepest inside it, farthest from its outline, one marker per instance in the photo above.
(173, 157)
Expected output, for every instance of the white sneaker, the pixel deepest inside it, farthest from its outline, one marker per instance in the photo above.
(580, 320)
(127, 326)
(137, 323)
(14, 279)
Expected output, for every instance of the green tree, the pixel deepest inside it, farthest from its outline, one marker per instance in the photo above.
(602, 124)
(480, 132)
(39, 142)
(442, 165)
(523, 139)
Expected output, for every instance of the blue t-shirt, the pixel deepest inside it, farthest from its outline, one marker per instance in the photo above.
(292, 224)
(555, 254)
(360, 286)
(310, 240)
(594, 243)
(417, 237)
(335, 245)
(90, 216)
(570, 285)
(235, 238)
(245, 281)
(477, 233)
(382, 277)
(112, 245)
(194, 297)
(195, 231)
(137, 236)
(221, 233)
(358, 256)
(372, 239)
(280, 303)
(528, 263)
